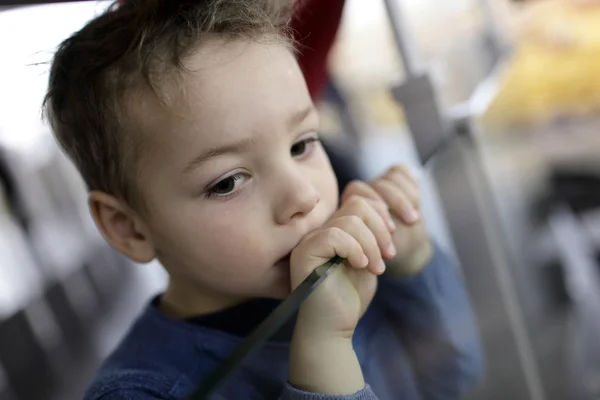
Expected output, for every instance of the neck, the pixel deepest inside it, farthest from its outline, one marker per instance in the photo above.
(182, 300)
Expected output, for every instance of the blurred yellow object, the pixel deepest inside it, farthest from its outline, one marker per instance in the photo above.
(383, 110)
(556, 68)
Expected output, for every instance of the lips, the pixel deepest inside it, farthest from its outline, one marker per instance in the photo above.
(283, 262)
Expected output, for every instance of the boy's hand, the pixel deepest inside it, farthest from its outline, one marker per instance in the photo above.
(357, 233)
(398, 189)
(322, 358)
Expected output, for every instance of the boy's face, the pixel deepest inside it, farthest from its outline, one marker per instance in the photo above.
(231, 174)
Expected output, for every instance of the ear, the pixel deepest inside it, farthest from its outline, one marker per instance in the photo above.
(121, 227)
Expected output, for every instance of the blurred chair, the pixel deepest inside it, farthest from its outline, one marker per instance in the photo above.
(27, 367)
(6, 392)
(82, 278)
(577, 187)
(71, 325)
(573, 196)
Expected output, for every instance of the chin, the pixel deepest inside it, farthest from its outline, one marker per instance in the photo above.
(282, 294)
(280, 289)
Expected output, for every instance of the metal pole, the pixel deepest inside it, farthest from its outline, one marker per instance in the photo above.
(416, 94)
(491, 30)
(511, 371)
(406, 45)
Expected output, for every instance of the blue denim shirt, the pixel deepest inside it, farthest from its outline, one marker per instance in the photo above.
(416, 341)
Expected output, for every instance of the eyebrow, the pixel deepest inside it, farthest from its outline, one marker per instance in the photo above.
(243, 145)
(235, 148)
(298, 117)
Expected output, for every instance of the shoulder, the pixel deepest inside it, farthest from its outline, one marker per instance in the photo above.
(130, 385)
(159, 358)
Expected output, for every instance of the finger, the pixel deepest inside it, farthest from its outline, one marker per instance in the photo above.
(384, 212)
(401, 176)
(404, 170)
(347, 246)
(367, 211)
(323, 245)
(359, 230)
(363, 189)
(397, 200)
(360, 188)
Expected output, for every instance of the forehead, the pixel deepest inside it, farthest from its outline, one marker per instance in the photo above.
(227, 89)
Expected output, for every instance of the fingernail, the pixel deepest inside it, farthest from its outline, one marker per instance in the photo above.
(391, 250)
(381, 268)
(364, 261)
(412, 216)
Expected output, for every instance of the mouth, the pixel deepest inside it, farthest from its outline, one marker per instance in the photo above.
(283, 262)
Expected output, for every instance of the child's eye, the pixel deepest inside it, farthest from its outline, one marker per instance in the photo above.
(304, 146)
(226, 187)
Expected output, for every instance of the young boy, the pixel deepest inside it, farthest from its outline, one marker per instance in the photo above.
(192, 126)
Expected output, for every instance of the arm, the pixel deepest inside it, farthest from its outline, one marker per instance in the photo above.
(323, 367)
(323, 363)
(422, 293)
(433, 317)
(290, 393)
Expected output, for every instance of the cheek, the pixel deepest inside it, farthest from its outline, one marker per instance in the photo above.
(238, 239)
(212, 242)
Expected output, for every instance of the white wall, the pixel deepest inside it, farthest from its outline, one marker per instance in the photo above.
(29, 35)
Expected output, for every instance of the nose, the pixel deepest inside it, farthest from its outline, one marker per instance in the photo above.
(297, 196)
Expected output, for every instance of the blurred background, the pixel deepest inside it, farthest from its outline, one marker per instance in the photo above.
(493, 103)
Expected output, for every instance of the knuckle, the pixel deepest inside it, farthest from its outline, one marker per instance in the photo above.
(354, 220)
(406, 171)
(396, 176)
(377, 184)
(354, 200)
(379, 205)
(347, 221)
(393, 169)
(354, 185)
(334, 233)
(380, 213)
(399, 167)
(365, 204)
